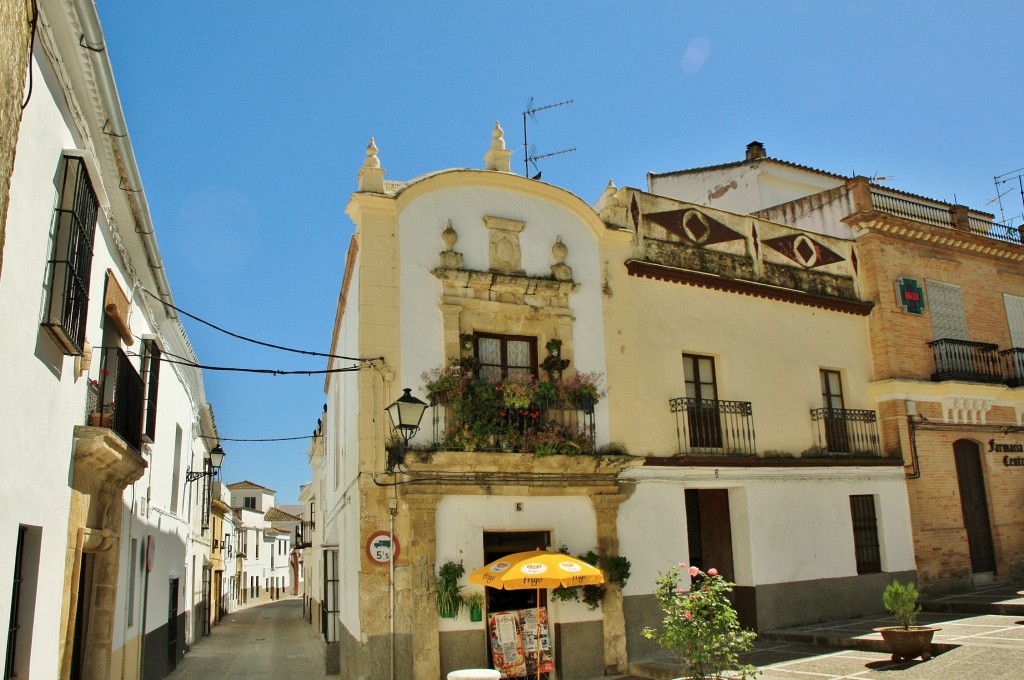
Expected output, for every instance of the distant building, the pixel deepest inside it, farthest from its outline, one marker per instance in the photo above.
(947, 343)
(104, 411)
(265, 566)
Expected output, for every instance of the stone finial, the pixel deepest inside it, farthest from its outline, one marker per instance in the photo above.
(498, 157)
(372, 161)
(609, 194)
(371, 175)
(560, 270)
(449, 258)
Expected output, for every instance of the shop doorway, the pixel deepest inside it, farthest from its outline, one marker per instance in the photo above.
(496, 546)
(974, 503)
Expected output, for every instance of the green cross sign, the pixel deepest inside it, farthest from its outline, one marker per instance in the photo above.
(910, 295)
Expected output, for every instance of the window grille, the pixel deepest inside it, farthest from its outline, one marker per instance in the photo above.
(865, 534)
(70, 267)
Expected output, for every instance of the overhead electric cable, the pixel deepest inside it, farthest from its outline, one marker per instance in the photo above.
(257, 342)
(269, 371)
(270, 439)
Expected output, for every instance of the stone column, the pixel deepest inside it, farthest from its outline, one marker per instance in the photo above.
(606, 507)
(860, 192)
(421, 551)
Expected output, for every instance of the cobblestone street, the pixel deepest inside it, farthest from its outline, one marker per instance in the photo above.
(265, 641)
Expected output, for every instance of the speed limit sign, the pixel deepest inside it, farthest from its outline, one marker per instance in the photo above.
(380, 546)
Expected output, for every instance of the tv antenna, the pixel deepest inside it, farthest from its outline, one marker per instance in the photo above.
(529, 153)
(1003, 179)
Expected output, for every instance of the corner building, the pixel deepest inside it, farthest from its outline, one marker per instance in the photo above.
(738, 429)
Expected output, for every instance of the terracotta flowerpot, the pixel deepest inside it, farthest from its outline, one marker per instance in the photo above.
(908, 644)
(97, 419)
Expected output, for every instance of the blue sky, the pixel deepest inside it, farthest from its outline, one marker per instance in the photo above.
(249, 121)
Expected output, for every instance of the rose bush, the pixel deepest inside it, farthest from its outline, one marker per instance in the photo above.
(701, 626)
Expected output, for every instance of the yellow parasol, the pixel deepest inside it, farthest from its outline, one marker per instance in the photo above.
(537, 569)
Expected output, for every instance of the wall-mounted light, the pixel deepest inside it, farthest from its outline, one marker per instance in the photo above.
(406, 413)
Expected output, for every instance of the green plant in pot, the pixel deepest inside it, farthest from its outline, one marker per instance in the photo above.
(475, 603)
(449, 593)
(908, 640)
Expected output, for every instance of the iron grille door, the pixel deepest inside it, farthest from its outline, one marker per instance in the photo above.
(865, 534)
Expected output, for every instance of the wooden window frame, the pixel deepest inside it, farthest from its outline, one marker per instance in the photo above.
(504, 340)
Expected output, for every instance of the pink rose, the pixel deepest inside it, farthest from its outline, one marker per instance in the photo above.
(682, 564)
(689, 616)
(680, 590)
(694, 571)
(712, 572)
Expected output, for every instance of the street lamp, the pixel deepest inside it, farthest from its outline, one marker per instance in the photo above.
(212, 464)
(406, 413)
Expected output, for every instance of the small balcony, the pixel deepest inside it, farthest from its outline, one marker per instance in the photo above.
(116, 397)
(542, 428)
(714, 427)
(967, 361)
(846, 432)
(303, 535)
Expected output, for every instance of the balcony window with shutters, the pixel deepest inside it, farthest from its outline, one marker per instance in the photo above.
(704, 423)
(956, 357)
(836, 436)
(70, 265)
(501, 356)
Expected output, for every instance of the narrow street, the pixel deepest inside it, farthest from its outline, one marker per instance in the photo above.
(265, 641)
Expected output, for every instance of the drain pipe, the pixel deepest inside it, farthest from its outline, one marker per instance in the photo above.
(391, 584)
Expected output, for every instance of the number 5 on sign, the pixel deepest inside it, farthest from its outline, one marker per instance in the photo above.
(382, 548)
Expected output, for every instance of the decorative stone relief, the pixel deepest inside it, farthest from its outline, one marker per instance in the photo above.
(449, 258)
(505, 253)
(560, 270)
(966, 410)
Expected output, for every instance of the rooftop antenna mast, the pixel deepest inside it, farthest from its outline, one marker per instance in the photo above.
(528, 154)
(1003, 179)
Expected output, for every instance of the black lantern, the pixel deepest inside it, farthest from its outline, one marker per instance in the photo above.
(406, 413)
(212, 465)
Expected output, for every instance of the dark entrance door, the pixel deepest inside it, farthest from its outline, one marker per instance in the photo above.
(709, 529)
(172, 624)
(974, 504)
(498, 545)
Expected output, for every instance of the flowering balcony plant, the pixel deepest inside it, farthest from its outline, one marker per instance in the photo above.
(700, 624)
(518, 413)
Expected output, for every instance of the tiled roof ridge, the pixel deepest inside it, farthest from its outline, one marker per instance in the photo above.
(246, 484)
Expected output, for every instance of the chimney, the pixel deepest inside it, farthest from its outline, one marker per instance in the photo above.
(755, 150)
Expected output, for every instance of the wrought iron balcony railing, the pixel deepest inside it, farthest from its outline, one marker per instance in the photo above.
(713, 426)
(116, 397)
(846, 431)
(542, 428)
(303, 535)
(965, 360)
(1013, 360)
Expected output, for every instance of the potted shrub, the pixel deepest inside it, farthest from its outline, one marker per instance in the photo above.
(449, 592)
(906, 641)
(475, 602)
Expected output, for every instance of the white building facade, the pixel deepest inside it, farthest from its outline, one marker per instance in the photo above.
(106, 410)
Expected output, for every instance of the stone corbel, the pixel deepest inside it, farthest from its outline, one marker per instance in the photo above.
(966, 410)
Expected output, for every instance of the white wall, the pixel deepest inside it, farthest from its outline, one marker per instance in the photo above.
(788, 524)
